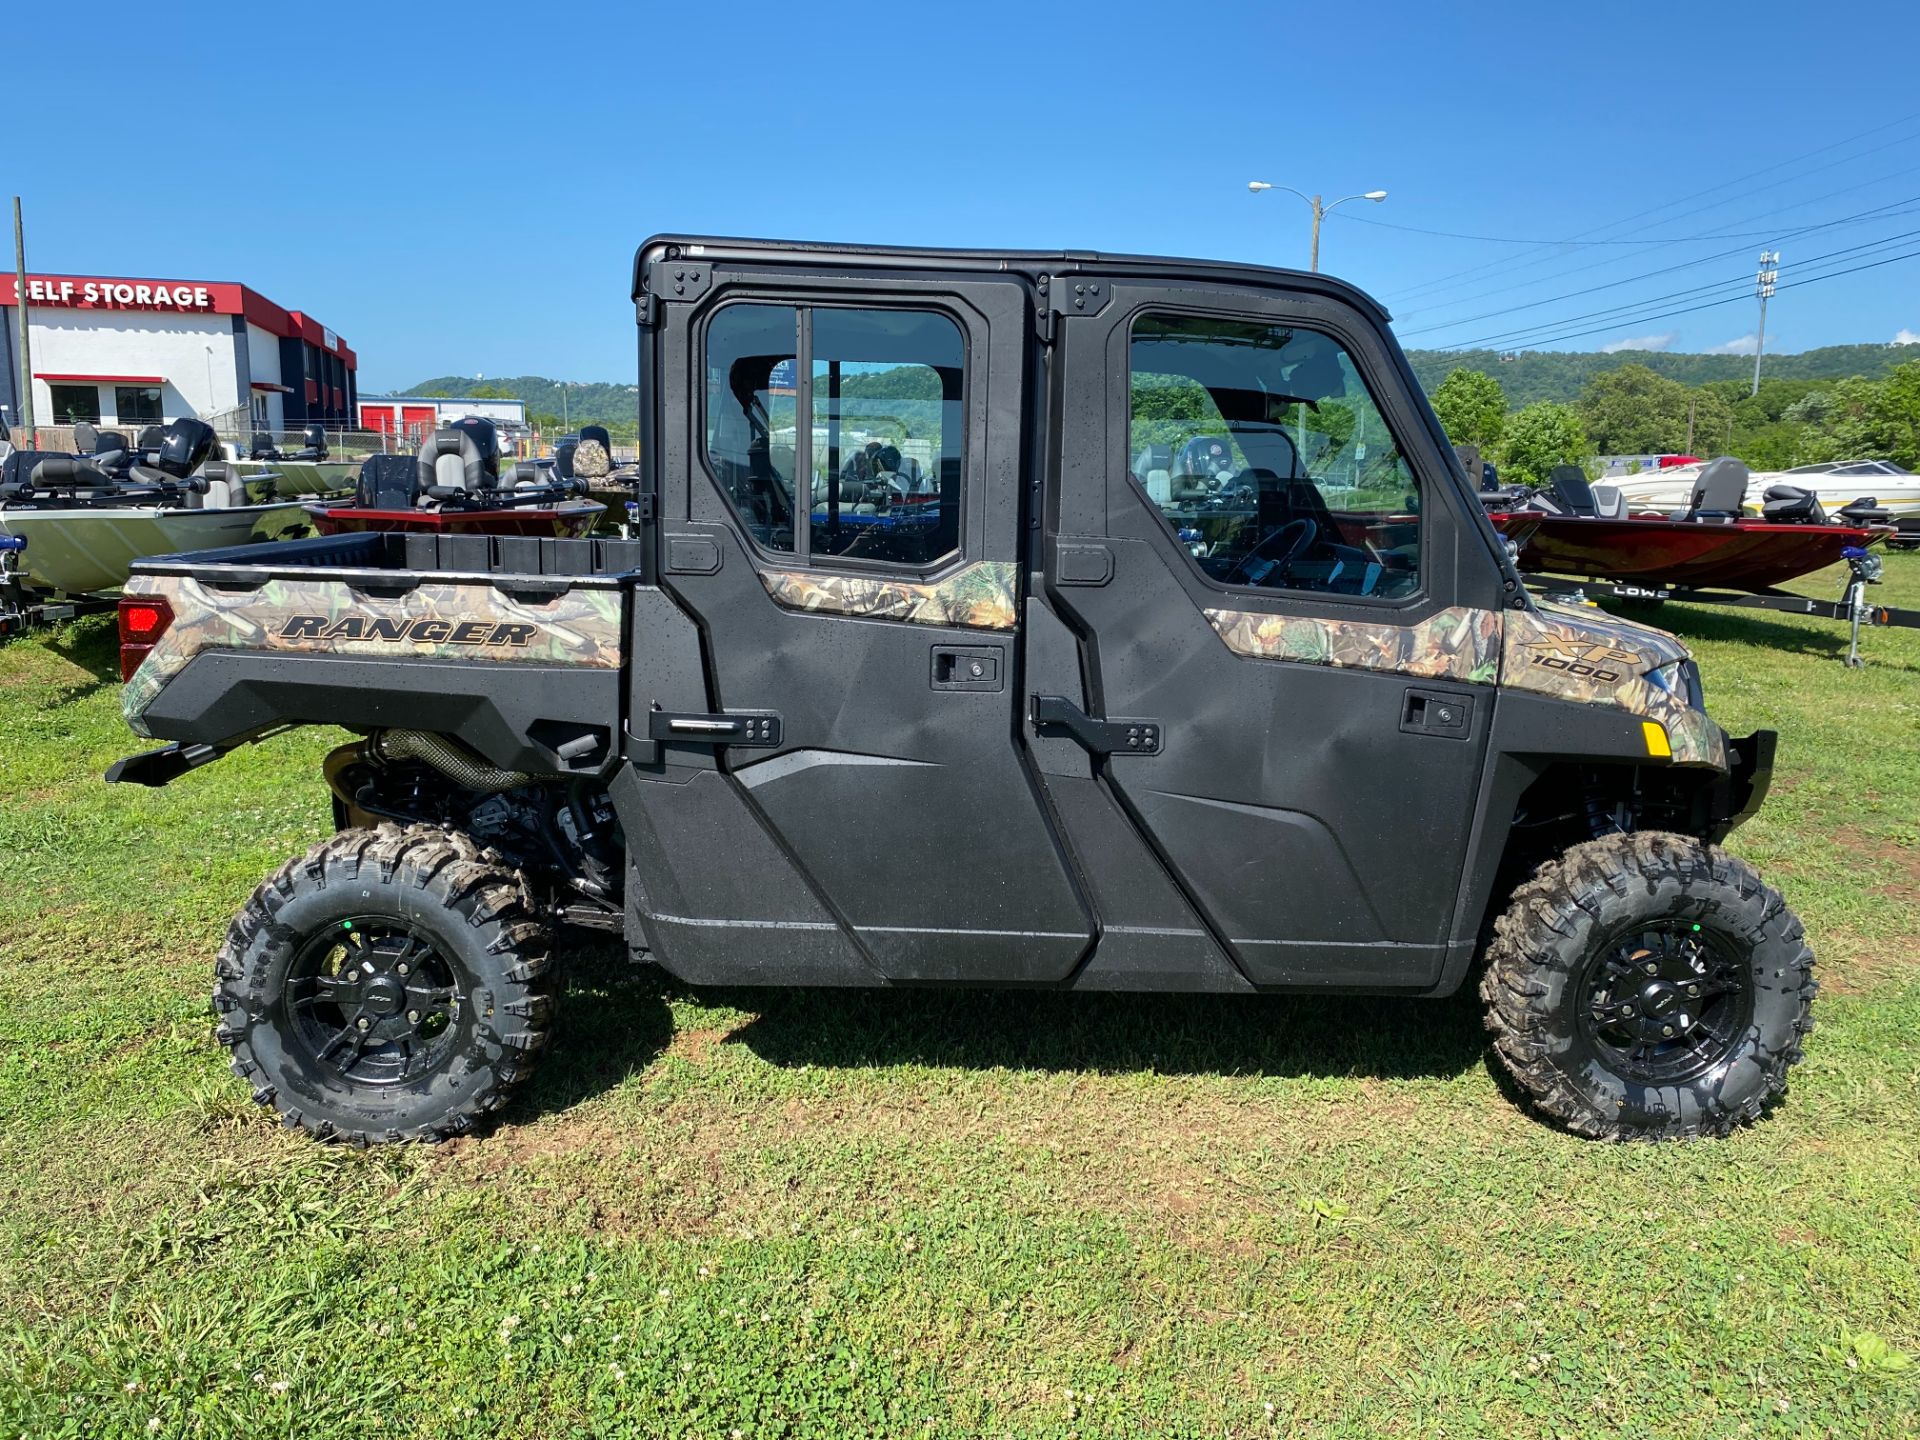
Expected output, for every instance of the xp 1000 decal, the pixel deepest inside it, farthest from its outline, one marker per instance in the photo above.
(327, 617)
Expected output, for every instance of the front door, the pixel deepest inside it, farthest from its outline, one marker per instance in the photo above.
(1290, 590)
(841, 515)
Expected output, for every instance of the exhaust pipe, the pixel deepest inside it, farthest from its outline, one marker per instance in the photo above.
(449, 757)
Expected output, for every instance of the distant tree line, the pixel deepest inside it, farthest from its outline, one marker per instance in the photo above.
(1632, 410)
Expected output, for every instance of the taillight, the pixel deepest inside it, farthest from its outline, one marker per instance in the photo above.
(143, 620)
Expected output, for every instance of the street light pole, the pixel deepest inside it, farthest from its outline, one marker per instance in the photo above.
(1763, 284)
(1319, 210)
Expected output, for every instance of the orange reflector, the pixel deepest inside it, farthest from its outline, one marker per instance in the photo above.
(1656, 734)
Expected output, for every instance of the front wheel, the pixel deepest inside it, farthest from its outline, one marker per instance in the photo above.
(389, 985)
(1649, 987)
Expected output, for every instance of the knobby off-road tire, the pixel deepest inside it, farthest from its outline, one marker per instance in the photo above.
(1649, 987)
(390, 985)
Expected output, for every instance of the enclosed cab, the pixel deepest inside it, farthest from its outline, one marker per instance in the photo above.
(1040, 620)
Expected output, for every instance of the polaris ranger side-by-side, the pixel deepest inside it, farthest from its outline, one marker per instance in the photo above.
(1066, 621)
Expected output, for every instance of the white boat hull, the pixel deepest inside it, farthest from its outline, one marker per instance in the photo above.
(81, 551)
(1673, 489)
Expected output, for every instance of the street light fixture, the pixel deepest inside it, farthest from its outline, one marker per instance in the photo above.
(1319, 210)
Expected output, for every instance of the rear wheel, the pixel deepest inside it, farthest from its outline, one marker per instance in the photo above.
(1649, 987)
(389, 985)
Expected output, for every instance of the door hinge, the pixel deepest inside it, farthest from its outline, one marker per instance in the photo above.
(758, 729)
(1100, 737)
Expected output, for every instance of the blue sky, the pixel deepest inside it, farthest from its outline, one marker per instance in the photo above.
(460, 190)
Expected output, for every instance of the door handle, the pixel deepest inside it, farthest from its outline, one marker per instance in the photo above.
(1437, 712)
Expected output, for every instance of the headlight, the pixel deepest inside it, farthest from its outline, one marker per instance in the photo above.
(1681, 679)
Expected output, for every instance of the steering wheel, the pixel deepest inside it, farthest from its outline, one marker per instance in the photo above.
(1275, 552)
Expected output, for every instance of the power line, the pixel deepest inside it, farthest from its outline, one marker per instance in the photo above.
(1624, 314)
(1508, 262)
(1716, 304)
(1878, 212)
(1771, 234)
(1579, 244)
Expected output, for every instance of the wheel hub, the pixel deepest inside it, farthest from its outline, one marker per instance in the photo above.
(375, 1002)
(383, 994)
(1666, 1001)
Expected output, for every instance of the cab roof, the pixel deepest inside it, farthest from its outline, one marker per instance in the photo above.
(1025, 262)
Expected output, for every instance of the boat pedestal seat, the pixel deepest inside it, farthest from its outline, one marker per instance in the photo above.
(1864, 511)
(1790, 505)
(69, 472)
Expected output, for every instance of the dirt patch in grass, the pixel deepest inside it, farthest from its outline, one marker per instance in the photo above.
(1849, 965)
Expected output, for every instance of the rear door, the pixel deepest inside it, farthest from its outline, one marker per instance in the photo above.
(1264, 556)
(841, 512)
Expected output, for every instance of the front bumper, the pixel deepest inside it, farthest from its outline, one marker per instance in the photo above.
(1739, 793)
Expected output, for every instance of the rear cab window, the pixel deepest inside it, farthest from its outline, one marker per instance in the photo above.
(872, 477)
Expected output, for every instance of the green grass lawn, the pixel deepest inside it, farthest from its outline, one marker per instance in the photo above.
(940, 1214)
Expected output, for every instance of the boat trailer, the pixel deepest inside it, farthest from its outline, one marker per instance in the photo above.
(23, 608)
(1863, 569)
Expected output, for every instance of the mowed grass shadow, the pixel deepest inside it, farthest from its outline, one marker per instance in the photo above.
(1746, 627)
(1268, 1035)
(615, 1020)
(613, 1023)
(93, 644)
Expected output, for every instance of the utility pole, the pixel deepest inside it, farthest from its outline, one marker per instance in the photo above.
(1693, 403)
(20, 299)
(1763, 287)
(566, 423)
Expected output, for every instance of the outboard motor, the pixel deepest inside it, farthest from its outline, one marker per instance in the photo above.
(189, 444)
(313, 444)
(1790, 505)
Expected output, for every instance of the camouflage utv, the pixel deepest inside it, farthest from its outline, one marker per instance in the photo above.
(1059, 621)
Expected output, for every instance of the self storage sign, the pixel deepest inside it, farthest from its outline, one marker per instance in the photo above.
(76, 292)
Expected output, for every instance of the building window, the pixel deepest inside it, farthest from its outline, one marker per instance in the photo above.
(137, 404)
(75, 403)
(1267, 457)
(879, 460)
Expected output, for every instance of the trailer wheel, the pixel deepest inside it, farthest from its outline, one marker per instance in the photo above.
(1649, 987)
(390, 985)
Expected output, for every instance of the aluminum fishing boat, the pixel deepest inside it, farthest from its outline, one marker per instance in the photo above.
(79, 521)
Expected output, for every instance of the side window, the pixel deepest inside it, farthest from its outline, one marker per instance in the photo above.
(875, 477)
(751, 416)
(1267, 456)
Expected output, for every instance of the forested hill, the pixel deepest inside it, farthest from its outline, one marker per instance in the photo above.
(1560, 375)
(1529, 376)
(600, 403)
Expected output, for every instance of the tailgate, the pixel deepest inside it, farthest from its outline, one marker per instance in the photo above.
(523, 663)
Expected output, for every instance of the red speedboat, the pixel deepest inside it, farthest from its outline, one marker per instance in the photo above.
(1710, 546)
(454, 487)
